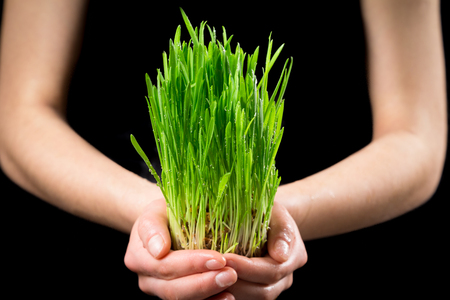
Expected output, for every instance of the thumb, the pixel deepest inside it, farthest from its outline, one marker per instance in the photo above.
(153, 229)
(282, 233)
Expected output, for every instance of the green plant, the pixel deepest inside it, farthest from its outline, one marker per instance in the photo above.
(217, 132)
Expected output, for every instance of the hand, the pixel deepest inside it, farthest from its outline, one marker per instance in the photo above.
(266, 277)
(187, 274)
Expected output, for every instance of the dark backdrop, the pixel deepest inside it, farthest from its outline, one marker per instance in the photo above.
(327, 117)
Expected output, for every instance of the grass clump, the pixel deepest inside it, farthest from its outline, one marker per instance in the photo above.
(217, 131)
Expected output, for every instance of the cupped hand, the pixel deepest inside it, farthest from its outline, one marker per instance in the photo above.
(187, 274)
(266, 277)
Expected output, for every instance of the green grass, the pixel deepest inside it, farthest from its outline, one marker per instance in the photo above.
(217, 131)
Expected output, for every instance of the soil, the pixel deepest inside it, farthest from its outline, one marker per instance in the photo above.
(208, 239)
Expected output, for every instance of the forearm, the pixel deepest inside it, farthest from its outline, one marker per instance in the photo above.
(42, 154)
(387, 178)
(401, 168)
(40, 41)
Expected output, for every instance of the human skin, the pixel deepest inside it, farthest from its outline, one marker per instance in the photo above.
(398, 171)
(39, 151)
(401, 167)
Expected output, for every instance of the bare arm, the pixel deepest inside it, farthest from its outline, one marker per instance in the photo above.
(401, 168)
(38, 150)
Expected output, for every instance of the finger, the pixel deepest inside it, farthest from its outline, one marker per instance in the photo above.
(264, 270)
(249, 290)
(153, 229)
(283, 234)
(196, 286)
(175, 264)
(223, 296)
(185, 262)
(281, 260)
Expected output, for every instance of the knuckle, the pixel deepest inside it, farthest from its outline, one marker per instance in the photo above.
(129, 261)
(202, 285)
(267, 293)
(289, 281)
(164, 272)
(276, 275)
(143, 286)
(169, 294)
(303, 258)
(288, 233)
(163, 292)
(289, 228)
(144, 225)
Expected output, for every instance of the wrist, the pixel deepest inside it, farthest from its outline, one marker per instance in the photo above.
(138, 197)
(296, 199)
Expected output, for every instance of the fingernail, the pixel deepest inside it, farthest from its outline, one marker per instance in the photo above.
(155, 245)
(282, 248)
(213, 264)
(225, 279)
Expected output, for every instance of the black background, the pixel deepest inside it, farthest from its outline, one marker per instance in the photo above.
(327, 117)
